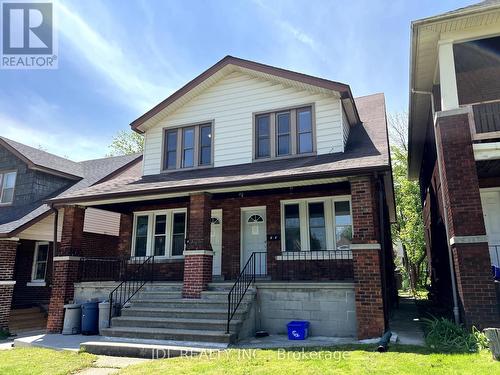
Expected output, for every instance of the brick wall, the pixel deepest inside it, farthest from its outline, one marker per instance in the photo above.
(99, 245)
(7, 261)
(197, 275)
(72, 231)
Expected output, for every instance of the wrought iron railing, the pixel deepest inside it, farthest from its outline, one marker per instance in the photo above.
(487, 117)
(253, 267)
(104, 268)
(323, 265)
(140, 272)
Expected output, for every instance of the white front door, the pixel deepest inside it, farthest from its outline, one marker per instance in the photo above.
(216, 241)
(490, 201)
(254, 238)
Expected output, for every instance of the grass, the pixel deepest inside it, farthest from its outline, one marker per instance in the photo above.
(356, 359)
(37, 361)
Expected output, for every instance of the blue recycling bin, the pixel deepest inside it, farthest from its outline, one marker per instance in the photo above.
(298, 330)
(90, 318)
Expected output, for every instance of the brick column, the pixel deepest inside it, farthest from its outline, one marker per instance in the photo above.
(366, 259)
(66, 266)
(7, 262)
(467, 232)
(198, 255)
(125, 235)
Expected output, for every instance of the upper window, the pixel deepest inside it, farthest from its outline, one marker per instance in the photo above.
(40, 261)
(160, 233)
(284, 133)
(7, 184)
(188, 147)
(316, 224)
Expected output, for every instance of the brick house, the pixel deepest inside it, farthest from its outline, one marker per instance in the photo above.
(265, 187)
(29, 176)
(454, 132)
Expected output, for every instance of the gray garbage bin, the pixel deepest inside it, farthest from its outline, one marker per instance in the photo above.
(72, 319)
(103, 315)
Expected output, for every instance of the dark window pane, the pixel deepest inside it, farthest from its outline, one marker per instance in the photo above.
(159, 248)
(205, 155)
(140, 246)
(179, 223)
(317, 230)
(263, 136)
(171, 152)
(263, 126)
(342, 213)
(305, 143)
(206, 135)
(142, 226)
(188, 158)
(263, 148)
(172, 140)
(177, 244)
(171, 159)
(160, 224)
(283, 123)
(304, 121)
(317, 239)
(188, 138)
(283, 144)
(40, 271)
(292, 227)
(42, 252)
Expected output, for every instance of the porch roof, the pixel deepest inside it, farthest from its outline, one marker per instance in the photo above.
(367, 151)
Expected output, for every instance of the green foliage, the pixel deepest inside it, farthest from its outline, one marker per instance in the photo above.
(125, 143)
(445, 336)
(3, 334)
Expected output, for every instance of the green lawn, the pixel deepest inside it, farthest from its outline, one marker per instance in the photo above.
(359, 359)
(33, 361)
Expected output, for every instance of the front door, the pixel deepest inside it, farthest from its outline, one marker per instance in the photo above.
(490, 201)
(216, 241)
(253, 223)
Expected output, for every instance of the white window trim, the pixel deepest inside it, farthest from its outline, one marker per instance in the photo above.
(329, 204)
(38, 282)
(2, 180)
(150, 236)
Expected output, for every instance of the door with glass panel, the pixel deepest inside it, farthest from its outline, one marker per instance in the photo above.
(254, 238)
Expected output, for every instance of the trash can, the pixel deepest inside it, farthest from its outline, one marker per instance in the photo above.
(298, 330)
(72, 319)
(90, 318)
(103, 315)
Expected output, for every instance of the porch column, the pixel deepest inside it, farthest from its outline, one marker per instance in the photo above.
(66, 265)
(467, 233)
(366, 259)
(7, 262)
(198, 255)
(125, 235)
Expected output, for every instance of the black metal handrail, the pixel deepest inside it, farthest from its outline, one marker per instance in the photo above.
(253, 267)
(135, 280)
(104, 268)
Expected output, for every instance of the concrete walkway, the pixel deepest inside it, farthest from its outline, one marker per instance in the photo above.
(406, 324)
(109, 365)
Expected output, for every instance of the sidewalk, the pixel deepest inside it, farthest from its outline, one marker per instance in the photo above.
(406, 323)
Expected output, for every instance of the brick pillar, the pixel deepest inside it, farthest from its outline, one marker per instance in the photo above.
(198, 255)
(125, 235)
(7, 262)
(66, 266)
(467, 232)
(366, 259)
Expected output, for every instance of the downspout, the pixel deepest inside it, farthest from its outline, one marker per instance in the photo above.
(456, 314)
(381, 209)
(54, 239)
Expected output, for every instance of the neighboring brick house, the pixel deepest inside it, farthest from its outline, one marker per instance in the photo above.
(454, 134)
(249, 171)
(28, 177)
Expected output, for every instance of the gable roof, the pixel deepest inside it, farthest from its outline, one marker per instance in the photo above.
(92, 172)
(42, 160)
(367, 150)
(247, 65)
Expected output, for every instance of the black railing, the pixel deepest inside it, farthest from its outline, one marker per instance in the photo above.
(255, 266)
(323, 265)
(487, 117)
(140, 271)
(104, 268)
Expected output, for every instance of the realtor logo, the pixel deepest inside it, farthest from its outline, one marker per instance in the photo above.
(28, 36)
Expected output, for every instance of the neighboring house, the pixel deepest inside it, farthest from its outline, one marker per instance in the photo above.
(28, 177)
(454, 143)
(250, 173)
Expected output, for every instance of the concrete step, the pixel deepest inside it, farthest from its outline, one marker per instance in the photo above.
(163, 286)
(221, 295)
(159, 294)
(170, 334)
(175, 323)
(184, 303)
(27, 311)
(188, 313)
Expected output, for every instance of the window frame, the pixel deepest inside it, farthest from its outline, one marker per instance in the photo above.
(151, 232)
(180, 146)
(2, 178)
(294, 141)
(330, 225)
(35, 262)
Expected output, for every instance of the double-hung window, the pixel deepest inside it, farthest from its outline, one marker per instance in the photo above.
(40, 262)
(159, 233)
(284, 133)
(316, 224)
(7, 184)
(188, 147)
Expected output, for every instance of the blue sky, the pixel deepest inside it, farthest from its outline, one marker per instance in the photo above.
(119, 58)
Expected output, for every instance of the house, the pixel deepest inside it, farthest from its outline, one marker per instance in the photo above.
(265, 196)
(28, 226)
(454, 134)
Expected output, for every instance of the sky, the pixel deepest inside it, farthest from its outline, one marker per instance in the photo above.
(118, 58)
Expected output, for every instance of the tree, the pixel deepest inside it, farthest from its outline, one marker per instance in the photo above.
(409, 229)
(125, 143)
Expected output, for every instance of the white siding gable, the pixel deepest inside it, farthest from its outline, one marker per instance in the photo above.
(101, 222)
(230, 104)
(43, 230)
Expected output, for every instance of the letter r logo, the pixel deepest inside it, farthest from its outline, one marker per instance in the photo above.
(27, 28)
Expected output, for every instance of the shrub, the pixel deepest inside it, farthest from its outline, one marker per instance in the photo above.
(444, 335)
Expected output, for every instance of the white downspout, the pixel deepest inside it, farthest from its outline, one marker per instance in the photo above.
(456, 314)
